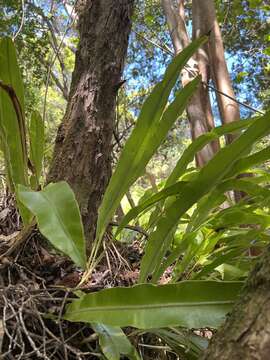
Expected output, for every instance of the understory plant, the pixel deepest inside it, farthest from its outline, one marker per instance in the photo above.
(52, 207)
(195, 229)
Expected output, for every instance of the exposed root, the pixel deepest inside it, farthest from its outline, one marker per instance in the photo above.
(29, 333)
(35, 285)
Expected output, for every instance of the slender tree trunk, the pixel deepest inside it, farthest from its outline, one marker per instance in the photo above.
(205, 21)
(204, 68)
(204, 15)
(199, 109)
(82, 154)
(246, 332)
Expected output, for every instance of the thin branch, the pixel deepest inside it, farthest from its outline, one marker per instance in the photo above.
(54, 44)
(130, 227)
(69, 24)
(231, 98)
(61, 87)
(22, 22)
(161, 47)
(170, 52)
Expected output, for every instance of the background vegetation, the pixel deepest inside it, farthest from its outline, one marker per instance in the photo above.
(194, 225)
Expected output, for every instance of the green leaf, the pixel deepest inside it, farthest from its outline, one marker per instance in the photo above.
(12, 121)
(181, 167)
(200, 142)
(114, 342)
(191, 304)
(9, 71)
(139, 149)
(240, 76)
(235, 216)
(188, 156)
(247, 162)
(150, 131)
(186, 244)
(12, 126)
(58, 218)
(184, 343)
(230, 272)
(215, 198)
(219, 260)
(255, 3)
(207, 178)
(161, 195)
(266, 51)
(37, 140)
(207, 204)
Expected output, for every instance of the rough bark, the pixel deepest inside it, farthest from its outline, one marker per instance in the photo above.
(203, 12)
(246, 332)
(82, 154)
(200, 118)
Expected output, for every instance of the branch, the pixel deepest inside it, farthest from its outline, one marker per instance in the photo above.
(130, 227)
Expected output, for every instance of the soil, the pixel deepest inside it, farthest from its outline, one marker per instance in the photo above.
(36, 282)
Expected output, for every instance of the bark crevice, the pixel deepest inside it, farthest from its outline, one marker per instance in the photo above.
(82, 154)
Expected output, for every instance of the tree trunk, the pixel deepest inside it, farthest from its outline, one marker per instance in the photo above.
(200, 118)
(246, 332)
(82, 154)
(203, 13)
(205, 21)
(198, 30)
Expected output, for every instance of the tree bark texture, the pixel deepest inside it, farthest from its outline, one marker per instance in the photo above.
(82, 154)
(199, 115)
(246, 332)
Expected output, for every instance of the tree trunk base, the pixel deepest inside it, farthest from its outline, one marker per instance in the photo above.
(246, 333)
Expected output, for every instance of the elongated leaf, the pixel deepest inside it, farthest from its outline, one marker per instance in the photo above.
(58, 218)
(246, 163)
(213, 199)
(36, 137)
(208, 177)
(235, 216)
(12, 122)
(208, 203)
(10, 71)
(182, 248)
(150, 131)
(114, 342)
(218, 261)
(12, 125)
(191, 304)
(190, 152)
(161, 195)
(5, 150)
(231, 272)
(136, 160)
(185, 344)
(200, 142)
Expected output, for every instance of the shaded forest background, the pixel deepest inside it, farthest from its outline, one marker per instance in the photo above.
(46, 46)
(202, 218)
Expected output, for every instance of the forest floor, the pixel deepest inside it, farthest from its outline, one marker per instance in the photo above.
(35, 285)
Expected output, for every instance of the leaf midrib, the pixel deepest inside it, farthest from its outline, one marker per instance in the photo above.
(151, 306)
